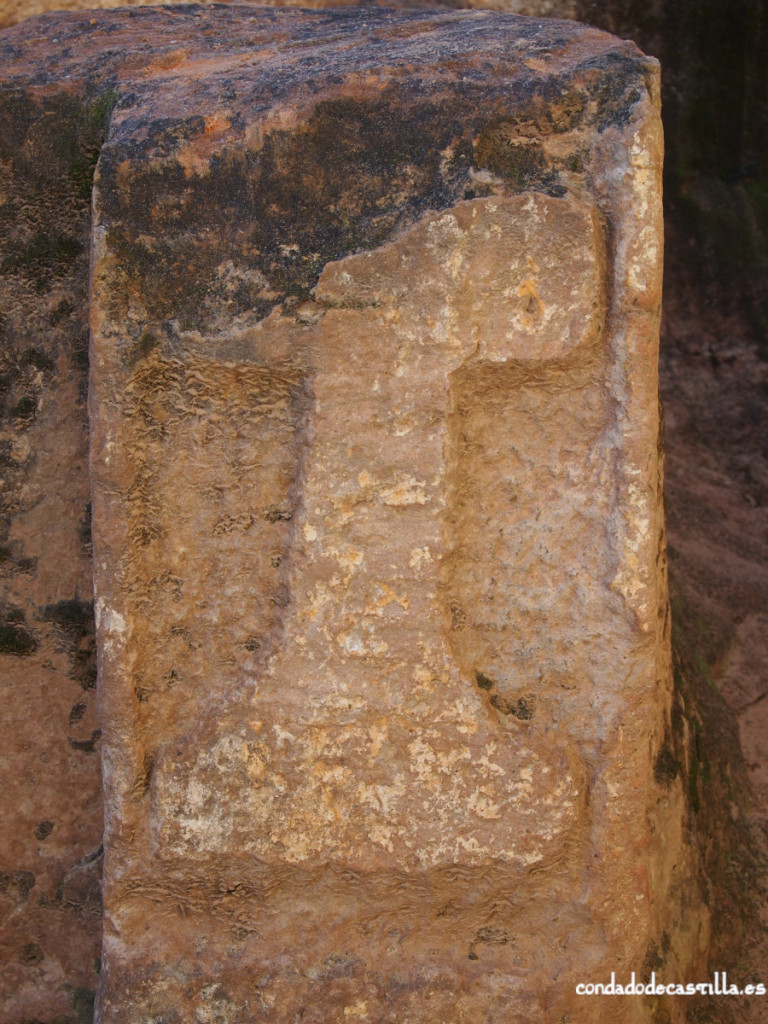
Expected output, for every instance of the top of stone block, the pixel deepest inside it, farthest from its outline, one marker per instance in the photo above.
(261, 56)
(326, 131)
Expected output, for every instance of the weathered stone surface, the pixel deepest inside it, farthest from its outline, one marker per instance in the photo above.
(14, 11)
(50, 797)
(380, 592)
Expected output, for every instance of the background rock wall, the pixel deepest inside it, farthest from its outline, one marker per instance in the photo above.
(50, 860)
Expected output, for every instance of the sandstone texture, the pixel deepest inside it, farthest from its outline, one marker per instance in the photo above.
(379, 557)
(14, 11)
(51, 836)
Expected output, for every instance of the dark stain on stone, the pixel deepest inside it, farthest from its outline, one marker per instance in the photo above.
(86, 676)
(62, 134)
(49, 144)
(80, 354)
(148, 341)
(30, 954)
(16, 641)
(75, 625)
(500, 149)
(39, 360)
(82, 1000)
(484, 682)
(616, 85)
(26, 409)
(522, 708)
(74, 617)
(77, 711)
(87, 746)
(61, 312)
(43, 830)
(48, 251)
(665, 767)
(653, 961)
(341, 182)
(354, 172)
(17, 886)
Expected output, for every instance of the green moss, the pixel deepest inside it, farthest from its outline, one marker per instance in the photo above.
(93, 122)
(704, 669)
(100, 111)
(61, 157)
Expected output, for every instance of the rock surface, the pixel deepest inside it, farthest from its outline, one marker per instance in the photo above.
(379, 557)
(14, 11)
(50, 842)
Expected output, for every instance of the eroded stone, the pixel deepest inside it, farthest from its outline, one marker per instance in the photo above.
(379, 567)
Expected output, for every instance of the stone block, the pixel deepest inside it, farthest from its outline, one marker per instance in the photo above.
(50, 796)
(380, 592)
